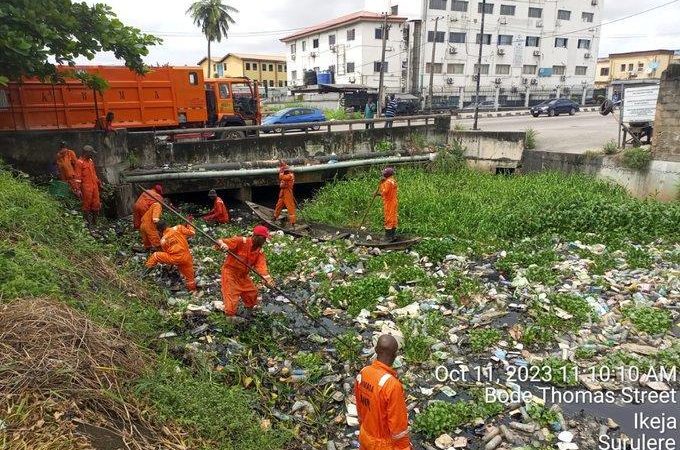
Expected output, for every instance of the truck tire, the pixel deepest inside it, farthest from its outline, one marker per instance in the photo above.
(233, 135)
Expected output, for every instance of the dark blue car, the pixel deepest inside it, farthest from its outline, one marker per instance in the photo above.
(290, 116)
(555, 107)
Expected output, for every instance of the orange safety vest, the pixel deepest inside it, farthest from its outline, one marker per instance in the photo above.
(243, 248)
(382, 409)
(388, 192)
(66, 163)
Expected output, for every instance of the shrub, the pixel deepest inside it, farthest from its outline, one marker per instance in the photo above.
(649, 319)
(481, 339)
(610, 147)
(530, 139)
(383, 146)
(461, 287)
(360, 294)
(442, 417)
(636, 158)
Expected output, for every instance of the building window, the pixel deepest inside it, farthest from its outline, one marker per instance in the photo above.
(502, 69)
(587, 17)
(441, 36)
(350, 67)
(378, 33)
(455, 69)
(293, 75)
(641, 67)
(437, 4)
(559, 70)
(630, 67)
(254, 66)
(504, 39)
(315, 43)
(528, 69)
(488, 8)
(584, 43)
(533, 41)
(351, 34)
(247, 66)
(377, 64)
(285, 67)
(224, 90)
(264, 67)
(623, 67)
(507, 10)
(193, 78)
(331, 39)
(304, 46)
(563, 14)
(581, 70)
(457, 38)
(279, 68)
(604, 72)
(292, 49)
(484, 69)
(457, 5)
(486, 41)
(285, 83)
(561, 42)
(280, 83)
(271, 83)
(437, 67)
(536, 13)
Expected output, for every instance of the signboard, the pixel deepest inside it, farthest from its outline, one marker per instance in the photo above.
(639, 103)
(518, 42)
(545, 72)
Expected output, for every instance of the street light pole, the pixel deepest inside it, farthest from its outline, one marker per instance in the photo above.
(434, 47)
(479, 66)
(381, 83)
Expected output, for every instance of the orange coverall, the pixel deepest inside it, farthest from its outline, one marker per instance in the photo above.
(388, 192)
(219, 212)
(382, 409)
(67, 163)
(176, 253)
(147, 228)
(86, 177)
(142, 205)
(286, 198)
(236, 282)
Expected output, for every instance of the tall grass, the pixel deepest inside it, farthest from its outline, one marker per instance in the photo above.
(483, 207)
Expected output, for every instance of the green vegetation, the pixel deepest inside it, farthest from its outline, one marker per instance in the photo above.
(463, 288)
(285, 260)
(383, 146)
(484, 208)
(404, 298)
(349, 346)
(442, 417)
(482, 339)
(636, 158)
(610, 147)
(530, 139)
(360, 294)
(558, 372)
(341, 114)
(581, 311)
(544, 416)
(313, 364)
(649, 319)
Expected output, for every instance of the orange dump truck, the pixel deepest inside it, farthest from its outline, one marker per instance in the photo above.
(164, 98)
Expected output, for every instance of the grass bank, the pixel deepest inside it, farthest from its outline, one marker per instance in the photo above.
(46, 253)
(484, 208)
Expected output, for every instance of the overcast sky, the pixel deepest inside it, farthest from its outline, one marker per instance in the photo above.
(260, 24)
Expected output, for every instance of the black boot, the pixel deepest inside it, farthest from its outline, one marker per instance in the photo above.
(391, 235)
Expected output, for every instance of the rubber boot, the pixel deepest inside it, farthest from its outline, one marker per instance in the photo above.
(95, 216)
(392, 235)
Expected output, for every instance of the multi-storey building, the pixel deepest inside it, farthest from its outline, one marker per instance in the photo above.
(350, 47)
(642, 65)
(269, 70)
(528, 45)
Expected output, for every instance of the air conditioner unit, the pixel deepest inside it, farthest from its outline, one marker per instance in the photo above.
(525, 81)
(537, 53)
(539, 24)
(453, 18)
(501, 51)
(514, 90)
(453, 50)
(313, 54)
(503, 20)
(332, 47)
(292, 57)
(475, 77)
(498, 81)
(593, 2)
(563, 78)
(587, 55)
(534, 81)
(449, 80)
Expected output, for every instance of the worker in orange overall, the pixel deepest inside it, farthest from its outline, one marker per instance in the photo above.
(105, 123)
(67, 162)
(88, 185)
(388, 191)
(380, 402)
(175, 251)
(151, 239)
(144, 202)
(236, 281)
(286, 197)
(219, 213)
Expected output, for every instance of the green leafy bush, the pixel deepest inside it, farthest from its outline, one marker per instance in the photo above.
(461, 287)
(649, 319)
(360, 294)
(481, 339)
(530, 139)
(636, 158)
(442, 417)
(610, 147)
(383, 146)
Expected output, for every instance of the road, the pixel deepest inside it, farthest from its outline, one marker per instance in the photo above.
(569, 134)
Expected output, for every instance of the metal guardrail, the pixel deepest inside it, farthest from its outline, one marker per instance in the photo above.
(280, 129)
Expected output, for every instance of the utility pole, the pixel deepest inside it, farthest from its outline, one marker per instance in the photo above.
(479, 66)
(434, 47)
(381, 86)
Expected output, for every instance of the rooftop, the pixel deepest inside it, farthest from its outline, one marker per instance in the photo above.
(359, 16)
(252, 56)
(643, 53)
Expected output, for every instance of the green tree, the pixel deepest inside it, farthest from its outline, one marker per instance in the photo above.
(33, 31)
(213, 17)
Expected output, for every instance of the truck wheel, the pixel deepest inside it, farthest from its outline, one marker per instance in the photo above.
(233, 135)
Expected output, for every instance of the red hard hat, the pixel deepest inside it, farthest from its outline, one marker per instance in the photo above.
(158, 188)
(261, 230)
(388, 172)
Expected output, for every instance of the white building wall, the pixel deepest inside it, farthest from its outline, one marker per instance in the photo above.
(517, 55)
(363, 52)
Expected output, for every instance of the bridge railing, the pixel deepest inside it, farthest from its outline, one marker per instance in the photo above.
(250, 131)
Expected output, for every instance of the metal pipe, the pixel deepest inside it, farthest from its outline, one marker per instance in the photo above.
(274, 171)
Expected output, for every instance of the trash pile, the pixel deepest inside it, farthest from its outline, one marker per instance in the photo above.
(486, 341)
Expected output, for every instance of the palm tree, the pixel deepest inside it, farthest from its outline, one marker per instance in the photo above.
(213, 17)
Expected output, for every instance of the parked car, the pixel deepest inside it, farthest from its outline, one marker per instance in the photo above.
(290, 116)
(555, 107)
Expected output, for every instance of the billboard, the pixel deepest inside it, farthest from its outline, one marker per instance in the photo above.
(639, 103)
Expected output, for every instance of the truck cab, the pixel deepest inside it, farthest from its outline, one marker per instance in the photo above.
(232, 102)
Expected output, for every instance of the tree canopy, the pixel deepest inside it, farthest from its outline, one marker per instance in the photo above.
(34, 33)
(214, 18)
